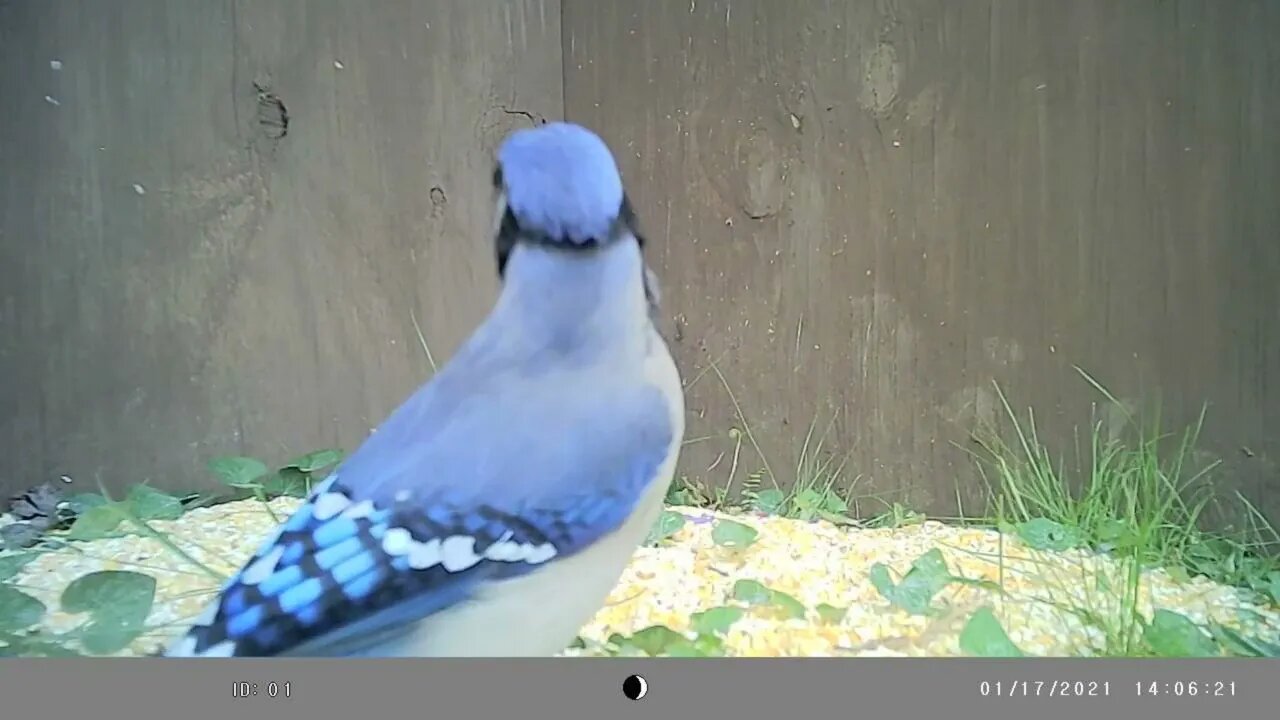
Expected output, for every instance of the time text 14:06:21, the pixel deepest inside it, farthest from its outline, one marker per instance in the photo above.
(1217, 688)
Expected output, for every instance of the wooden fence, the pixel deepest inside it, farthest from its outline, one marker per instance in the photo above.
(220, 221)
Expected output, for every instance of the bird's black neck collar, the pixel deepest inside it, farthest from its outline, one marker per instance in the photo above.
(511, 233)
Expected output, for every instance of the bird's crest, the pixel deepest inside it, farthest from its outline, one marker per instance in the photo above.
(561, 184)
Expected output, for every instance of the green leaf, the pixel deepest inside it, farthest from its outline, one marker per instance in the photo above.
(315, 461)
(682, 494)
(914, 593)
(147, 503)
(932, 566)
(729, 533)
(716, 620)
(809, 503)
(758, 594)
(831, 613)
(18, 610)
(789, 605)
(701, 646)
(84, 502)
(833, 503)
(882, 581)
(1045, 534)
(1239, 644)
(96, 523)
(983, 636)
(1170, 634)
(818, 503)
(709, 645)
(288, 482)
(898, 516)
(752, 592)
(11, 565)
(668, 524)
(118, 603)
(682, 649)
(1113, 534)
(1178, 574)
(655, 639)
(770, 502)
(238, 471)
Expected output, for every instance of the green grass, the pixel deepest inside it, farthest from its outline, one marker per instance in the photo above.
(1140, 496)
(819, 486)
(1139, 500)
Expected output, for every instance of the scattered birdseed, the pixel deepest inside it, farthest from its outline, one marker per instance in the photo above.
(818, 564)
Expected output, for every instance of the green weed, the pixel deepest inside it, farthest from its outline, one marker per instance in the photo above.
(115, 604)
(1139, 501)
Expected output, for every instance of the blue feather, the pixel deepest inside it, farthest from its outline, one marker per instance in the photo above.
(339, 582)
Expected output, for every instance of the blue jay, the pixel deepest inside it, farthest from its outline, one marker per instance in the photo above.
(492, 513)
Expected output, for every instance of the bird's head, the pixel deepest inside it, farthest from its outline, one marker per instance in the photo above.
(559, 188)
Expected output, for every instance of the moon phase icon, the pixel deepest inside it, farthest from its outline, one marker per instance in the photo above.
(635, 687)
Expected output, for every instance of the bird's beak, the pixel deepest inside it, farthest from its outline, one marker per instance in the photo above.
(499, 209)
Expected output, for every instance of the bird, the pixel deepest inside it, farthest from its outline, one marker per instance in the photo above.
(492, 513)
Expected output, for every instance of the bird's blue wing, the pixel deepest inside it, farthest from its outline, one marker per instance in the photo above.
(367, 555)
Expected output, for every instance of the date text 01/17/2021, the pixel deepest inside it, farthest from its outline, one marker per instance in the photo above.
(242, 689)
(1045, 688)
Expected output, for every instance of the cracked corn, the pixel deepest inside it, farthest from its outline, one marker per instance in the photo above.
(817, 563)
